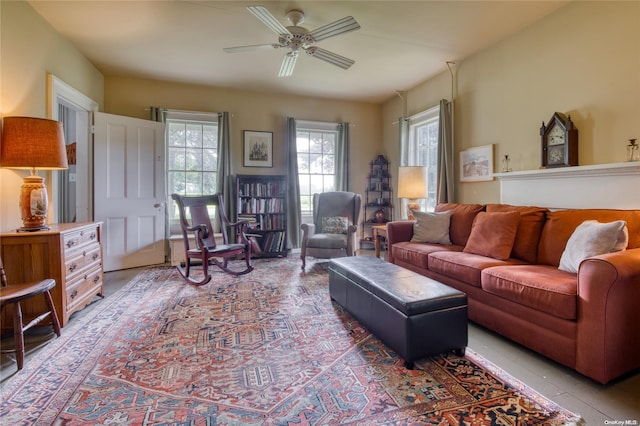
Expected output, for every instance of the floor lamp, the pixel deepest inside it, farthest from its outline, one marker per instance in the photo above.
(412, 184)
(33, 144)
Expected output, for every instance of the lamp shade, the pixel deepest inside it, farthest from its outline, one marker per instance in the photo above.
(412, 182)
(32, 143)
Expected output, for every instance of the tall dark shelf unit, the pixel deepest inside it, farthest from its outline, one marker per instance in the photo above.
(378, 207)
(262, 201)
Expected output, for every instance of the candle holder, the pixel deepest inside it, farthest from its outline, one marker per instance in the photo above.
(633, 153)
(505, 164)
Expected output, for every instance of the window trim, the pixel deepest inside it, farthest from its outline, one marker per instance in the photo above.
(184, 117)
(317, 127)
(418, 120)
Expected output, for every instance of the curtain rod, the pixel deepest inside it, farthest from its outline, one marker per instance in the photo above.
(418, 113)
(328, 123)
(165, 110)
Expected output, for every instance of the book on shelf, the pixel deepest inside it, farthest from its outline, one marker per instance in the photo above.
(261, 189)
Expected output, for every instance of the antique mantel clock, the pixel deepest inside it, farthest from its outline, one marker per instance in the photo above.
(559, 142)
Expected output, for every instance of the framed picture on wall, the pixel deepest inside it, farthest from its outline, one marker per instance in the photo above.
(258, 149)
(476, 164)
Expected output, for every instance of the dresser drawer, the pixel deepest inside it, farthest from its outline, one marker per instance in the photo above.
(82, 287)
(79, 260)
(75, 240)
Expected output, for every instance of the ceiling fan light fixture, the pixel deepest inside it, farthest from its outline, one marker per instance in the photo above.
(295, 16)
(297, 38)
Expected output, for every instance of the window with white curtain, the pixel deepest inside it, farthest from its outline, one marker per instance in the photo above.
(316, 151)
(422, 150)
(192, 155)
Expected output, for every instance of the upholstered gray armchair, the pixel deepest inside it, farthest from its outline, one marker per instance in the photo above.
(335, 222)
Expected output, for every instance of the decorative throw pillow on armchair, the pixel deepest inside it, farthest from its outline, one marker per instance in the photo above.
(335, 225)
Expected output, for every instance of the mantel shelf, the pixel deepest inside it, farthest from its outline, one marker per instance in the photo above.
(604, 186)
(627, 168)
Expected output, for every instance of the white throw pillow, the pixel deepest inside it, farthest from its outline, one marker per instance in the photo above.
(431, 227)
(592, 238)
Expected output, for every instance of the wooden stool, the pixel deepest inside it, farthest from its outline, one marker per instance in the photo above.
(12, 295)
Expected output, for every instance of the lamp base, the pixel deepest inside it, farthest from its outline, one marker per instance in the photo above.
(412, 205)
(34, 228)
(33, 204)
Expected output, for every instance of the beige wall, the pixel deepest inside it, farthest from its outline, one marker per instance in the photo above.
(254, 111)
(30, 49)
(583, 60)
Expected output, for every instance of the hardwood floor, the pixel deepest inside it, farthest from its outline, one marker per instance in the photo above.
(597, 404)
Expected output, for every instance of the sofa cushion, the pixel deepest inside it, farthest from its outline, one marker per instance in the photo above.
(417, 253)
(461, 220)
(532, 219)
(465, 267)
(431, 227)
(592, 238)
(561, 224)
(493, 234)
(544, 288)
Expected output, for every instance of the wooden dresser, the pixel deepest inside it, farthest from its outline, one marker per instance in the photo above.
(70, 253)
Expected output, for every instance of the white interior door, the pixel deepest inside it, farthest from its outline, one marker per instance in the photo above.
(129, 190)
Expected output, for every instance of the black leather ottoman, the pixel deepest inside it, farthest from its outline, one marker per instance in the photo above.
(412, 314)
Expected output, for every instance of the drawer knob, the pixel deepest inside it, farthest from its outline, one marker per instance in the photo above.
(92, 236)
(74, 293)
(73, 267)
(96, 279)
(95, 256)
(71, 243)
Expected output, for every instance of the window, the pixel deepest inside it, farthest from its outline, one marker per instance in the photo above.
(316, 149)
(422, 150)
(192, 158)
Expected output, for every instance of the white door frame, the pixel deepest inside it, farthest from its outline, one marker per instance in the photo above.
(59, 92)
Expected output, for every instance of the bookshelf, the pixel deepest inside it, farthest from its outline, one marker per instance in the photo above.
(262, 202)
(378, 207)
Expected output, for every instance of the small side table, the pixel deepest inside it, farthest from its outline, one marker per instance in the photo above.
(379, 233)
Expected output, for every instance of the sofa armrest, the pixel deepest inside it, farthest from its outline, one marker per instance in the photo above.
(608, 335)
(398, 231)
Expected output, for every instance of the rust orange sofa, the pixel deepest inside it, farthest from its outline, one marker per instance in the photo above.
(587, 320)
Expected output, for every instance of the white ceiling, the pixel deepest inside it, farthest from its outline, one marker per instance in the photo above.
(400, 43)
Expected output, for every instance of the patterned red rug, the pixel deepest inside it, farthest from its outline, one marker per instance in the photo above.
(265, 348)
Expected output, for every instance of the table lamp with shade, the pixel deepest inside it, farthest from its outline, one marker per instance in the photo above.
(412, 184)
(33, 144)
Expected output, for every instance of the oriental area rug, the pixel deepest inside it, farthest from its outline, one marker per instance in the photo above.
(267, 348)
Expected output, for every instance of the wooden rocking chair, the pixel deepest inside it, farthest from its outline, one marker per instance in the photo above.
(205, 250)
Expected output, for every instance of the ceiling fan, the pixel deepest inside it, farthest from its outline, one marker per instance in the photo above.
(297, 38)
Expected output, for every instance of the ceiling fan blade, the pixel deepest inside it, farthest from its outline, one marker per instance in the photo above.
(288, 63)
(268, 19)
(252, 48)
(332, 58)
(341, 26)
